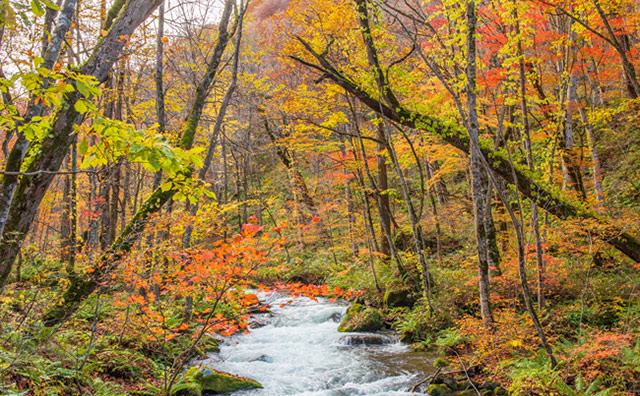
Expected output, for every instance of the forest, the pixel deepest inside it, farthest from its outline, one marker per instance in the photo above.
(320, 197)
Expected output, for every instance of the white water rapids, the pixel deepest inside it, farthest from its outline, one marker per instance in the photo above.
(300, 352)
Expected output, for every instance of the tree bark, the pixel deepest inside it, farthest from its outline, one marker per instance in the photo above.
(479, 179)
(382, 196)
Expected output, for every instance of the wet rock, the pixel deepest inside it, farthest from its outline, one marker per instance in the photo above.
(261, 358)
(335, 317)
(359, 318)
(214, 381)
(260, 320)
(452, 384)
(365, 339)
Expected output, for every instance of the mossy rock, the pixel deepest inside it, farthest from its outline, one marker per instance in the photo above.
(438, 390)
(354, 309)
(359, 318)
(399, 296)
(440, 362)
(214, 381)
(186, 389)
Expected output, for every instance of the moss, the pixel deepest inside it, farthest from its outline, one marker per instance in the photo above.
(359, 318)
(353, 309)
(399, 296)
(215, 381)
(440, 362)
(438, 390)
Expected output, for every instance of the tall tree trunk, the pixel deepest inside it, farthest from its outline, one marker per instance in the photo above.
(530, 161)
(493, 252)
(595, 158)
(383, 196)
(386, 94)
(479, 180)
(434, 207)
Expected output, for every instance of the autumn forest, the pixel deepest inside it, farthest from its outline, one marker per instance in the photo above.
(320, 197)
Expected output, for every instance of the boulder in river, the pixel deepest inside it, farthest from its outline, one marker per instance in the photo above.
(365, 339)
(261, 358)
(214, 381)
(359, 318)
(335, 317)
(260, 320)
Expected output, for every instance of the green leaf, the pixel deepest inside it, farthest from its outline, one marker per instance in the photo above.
(36, 7)
(50, 4)
(83, 146)
(82, 88)
(166, 186)
(80, 107)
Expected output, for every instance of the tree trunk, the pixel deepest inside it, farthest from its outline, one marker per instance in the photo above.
(479, 180)
(382, 196)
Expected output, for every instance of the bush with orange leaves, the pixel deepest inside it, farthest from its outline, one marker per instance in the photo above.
(602, 354)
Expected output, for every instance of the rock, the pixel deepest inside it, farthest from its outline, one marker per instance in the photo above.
(261, 358)
(399, 296)
(214, 381)
(440, 362)
(452, 383)
(186, 389)
(365, 339)
(354, 309)
(335, 317)
(359, 318)
(438, 390)
(489, 385)
(260, 320)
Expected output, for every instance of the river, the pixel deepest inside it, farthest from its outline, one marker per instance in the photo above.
(299, 351)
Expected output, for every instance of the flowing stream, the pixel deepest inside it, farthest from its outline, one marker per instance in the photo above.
(299, 351)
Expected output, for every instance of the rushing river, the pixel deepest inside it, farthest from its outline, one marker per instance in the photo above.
(300, 352)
